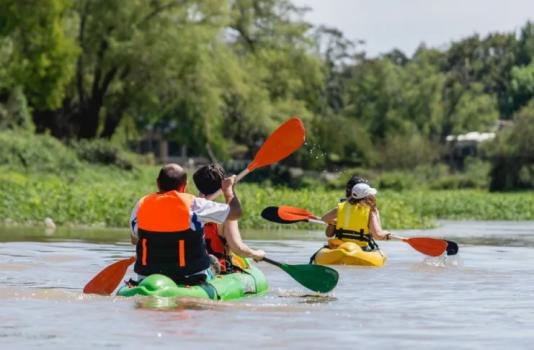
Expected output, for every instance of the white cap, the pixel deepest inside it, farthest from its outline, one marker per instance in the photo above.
(362, 190)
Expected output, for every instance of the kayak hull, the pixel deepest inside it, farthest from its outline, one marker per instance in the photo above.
(223, 287)
(349, 253)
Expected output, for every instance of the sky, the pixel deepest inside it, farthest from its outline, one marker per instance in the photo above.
(404, 24)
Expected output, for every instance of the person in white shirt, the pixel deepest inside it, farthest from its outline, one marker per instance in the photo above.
(222, 239)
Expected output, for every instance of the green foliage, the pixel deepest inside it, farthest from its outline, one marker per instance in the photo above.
(104, 196)
(36, 153)
(473, 205)
(15, 114)
(103, 152)
(486, 61)
(39, 55)
(522, 84)
(396, 180)
(406, 151)
(513, 153)
(475, 111)
(218, 76)
(97, 196)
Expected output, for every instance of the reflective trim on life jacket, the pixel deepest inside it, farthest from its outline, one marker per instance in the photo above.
(167, 244)
(216, 245)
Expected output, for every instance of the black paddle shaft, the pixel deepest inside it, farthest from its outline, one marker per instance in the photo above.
(276, 263)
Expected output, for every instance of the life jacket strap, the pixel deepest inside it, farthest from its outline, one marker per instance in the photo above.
(350, 234)
(360, 236)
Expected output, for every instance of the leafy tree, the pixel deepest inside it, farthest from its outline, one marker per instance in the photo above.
(36, 53)
(487, 61)
(522, 85)
(513, 153)
(475, 111)
(526, 44)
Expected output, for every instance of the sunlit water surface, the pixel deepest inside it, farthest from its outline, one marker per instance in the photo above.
(483, 299)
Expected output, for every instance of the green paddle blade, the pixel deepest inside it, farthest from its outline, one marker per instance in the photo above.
(315, 277)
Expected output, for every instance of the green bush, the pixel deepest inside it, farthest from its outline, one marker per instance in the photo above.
(407, 151)
(104, 152)
(452, 182)
(344, 176)
(396, 180)
(15, 114)
(35, 153)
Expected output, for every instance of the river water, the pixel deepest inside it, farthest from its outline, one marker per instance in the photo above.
(481, 299)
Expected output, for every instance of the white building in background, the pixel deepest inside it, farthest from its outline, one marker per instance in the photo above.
(471, 137)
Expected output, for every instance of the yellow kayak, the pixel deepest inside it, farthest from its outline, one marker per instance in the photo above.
(348, 253)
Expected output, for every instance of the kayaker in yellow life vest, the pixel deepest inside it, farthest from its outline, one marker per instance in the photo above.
(357, 219)
(223, 239)
(167, 228)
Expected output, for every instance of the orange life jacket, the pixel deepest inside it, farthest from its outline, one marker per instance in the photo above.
(216, 245)
(167, 244)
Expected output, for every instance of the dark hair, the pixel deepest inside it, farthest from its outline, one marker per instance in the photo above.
(171, 177)
(354, 180)
(208, 178)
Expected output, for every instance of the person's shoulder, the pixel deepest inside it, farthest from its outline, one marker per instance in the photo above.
(188, 195)
(198, 202)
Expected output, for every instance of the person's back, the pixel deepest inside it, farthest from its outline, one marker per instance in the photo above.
(356, 219)
(168, 244)
(167, 229)
(352, 221)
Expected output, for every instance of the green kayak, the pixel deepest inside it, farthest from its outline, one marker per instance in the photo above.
(224, 287)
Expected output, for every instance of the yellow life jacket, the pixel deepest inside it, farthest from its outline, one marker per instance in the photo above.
(353, 223)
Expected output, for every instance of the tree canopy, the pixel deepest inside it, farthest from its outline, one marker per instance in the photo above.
(217, 76)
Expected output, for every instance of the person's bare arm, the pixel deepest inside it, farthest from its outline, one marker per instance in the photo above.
(231, 198)
(133, 239)
(233, 238)
(330, 217)
(376, 228)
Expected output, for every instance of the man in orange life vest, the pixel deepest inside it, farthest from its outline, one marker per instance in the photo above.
(221, 239)
(167, 227)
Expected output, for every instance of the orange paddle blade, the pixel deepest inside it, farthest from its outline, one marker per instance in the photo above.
(428, 246)
(286, 139)
(108, 279)
(293, 214)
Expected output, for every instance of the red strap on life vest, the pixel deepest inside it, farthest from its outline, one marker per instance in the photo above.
(215, 243)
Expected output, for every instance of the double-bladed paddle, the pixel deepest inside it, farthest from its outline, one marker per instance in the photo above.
(286, 139)
(426, 245)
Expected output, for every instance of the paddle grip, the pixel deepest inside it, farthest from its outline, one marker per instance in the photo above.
(316, 221)
(398, 237)
(237, 179)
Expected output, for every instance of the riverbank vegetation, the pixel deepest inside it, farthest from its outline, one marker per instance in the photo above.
(103, 196)
(98, 184)
(83, 83)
